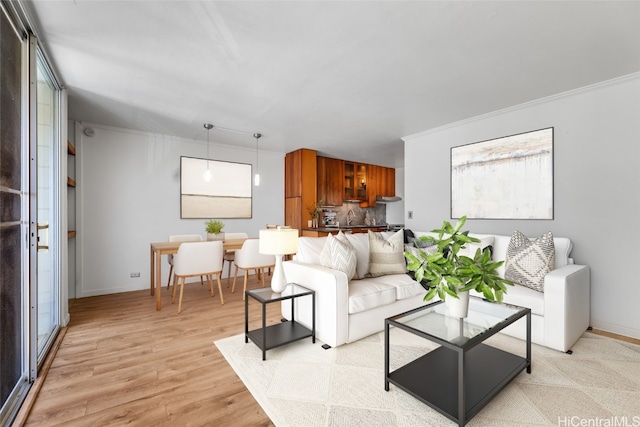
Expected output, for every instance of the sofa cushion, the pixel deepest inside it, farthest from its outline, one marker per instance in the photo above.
(529, 261)
(338, 254)
(386, 256)
(405, 286)
(309, 249)
(360, 241)
(367, 294)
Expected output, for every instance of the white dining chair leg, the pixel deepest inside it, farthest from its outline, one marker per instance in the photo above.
(246, 277)
(235, 276)
(181, 294)
(220, 288)
(170, 273)
(175, 284)
(229, 274)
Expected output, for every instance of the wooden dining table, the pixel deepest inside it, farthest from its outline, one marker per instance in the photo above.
(166, 248)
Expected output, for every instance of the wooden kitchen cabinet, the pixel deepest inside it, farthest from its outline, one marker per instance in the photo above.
(381, 182)
(390, 189)
(330, 180)
(355, 181)
(300, 187)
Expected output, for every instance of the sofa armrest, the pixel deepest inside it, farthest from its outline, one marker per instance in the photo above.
(567, 305)
(332, 300)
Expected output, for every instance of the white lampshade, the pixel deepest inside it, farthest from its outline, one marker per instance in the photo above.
(278, 241)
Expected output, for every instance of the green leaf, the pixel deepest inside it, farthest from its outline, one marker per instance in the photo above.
(450, 292)
(486, 291)
(431, 294)
(460, 223)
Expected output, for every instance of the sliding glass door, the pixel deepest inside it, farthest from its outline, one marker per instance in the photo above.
(30, 209)
(14, 255)
(48, 209)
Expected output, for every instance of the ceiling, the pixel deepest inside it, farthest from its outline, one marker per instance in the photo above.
(348, 79)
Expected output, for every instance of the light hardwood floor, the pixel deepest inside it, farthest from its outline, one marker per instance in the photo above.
(123, 362)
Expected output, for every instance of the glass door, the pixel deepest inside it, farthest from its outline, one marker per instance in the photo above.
(13, 223)
(47, 200)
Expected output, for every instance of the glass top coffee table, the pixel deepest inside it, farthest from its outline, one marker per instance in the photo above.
(461, 376)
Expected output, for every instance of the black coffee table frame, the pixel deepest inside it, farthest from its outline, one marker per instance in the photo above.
(458, 378)
(268, 337)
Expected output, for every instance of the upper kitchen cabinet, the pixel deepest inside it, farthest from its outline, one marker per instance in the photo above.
(330, 181)
(381, 181)
(355, 182)
(390, 188)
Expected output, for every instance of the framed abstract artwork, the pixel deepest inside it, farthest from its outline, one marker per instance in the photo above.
(214, 189)
(504, 178)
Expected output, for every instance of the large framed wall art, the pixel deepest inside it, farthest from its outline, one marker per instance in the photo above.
(226, 194)
(504, 178)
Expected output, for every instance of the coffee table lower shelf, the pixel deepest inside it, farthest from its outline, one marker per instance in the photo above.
(278, 334)
(433, 378)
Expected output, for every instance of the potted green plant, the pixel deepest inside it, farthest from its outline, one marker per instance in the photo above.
(214, 229)
(446, 273)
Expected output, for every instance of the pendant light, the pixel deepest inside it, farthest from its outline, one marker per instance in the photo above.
(256, 178)
(207, 173)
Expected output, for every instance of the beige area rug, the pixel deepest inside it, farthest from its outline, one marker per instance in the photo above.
(301, 384)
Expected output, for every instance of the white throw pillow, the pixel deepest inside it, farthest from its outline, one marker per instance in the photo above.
(470, 249)
(386, 256)
(529, 261)
(338, 254)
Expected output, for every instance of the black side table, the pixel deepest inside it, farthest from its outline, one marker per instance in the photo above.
(268, 337)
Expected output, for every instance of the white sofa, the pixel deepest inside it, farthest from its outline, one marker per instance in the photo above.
(348, 311)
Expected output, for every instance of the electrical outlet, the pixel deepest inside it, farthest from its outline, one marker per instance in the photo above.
(135, 274)
(410, 214)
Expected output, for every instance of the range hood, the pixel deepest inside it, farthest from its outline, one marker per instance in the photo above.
(387, 199)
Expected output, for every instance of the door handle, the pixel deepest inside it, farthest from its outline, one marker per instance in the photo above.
(46, 228)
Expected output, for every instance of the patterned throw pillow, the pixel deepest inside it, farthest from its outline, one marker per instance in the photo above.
(415, 251)
(339, 254)
(386, 256)
(529, 261)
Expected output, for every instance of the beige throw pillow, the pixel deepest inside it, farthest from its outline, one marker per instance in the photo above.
(529, 261)
(338, 254)
(386, 256)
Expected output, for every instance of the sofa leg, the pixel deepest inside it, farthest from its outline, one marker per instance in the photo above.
(326, 346)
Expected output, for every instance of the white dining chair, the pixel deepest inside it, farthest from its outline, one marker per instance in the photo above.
(197, 259)
(181, 238)
(249, 258)
(229, 254)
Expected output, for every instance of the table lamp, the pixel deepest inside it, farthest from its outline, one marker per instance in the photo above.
(278, 242)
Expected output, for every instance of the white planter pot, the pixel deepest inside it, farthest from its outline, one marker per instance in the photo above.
(211, 236)
(458, 307)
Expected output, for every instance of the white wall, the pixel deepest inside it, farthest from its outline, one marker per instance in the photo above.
(596, 186)
(128, 185)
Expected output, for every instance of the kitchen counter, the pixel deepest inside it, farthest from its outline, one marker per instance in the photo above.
(324, 231)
